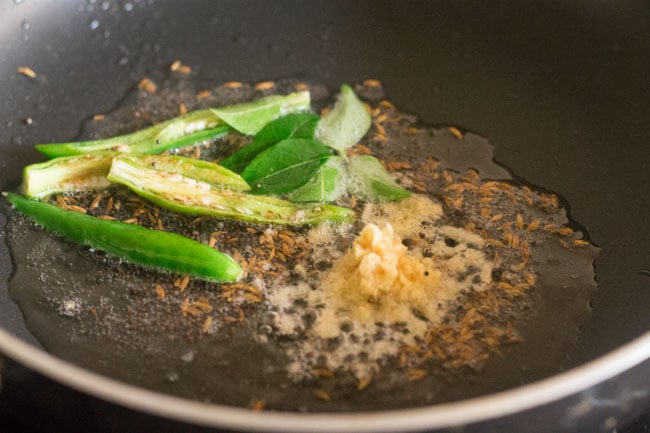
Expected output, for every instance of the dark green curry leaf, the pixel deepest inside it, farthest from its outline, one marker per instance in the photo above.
(296, 125)
(285, 166)
(346, 124)
(370, 181)
(326, 185)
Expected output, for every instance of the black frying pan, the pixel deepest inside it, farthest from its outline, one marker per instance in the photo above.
(561, 90)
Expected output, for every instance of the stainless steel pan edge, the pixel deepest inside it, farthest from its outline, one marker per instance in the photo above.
(570, 399)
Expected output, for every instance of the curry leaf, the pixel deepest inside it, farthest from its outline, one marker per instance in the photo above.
(370, 181)
(249, 118)
(346, 124)
(285, 166)
(326, 185)
(296, 125)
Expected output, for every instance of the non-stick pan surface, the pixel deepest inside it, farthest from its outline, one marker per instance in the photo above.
(560, 89)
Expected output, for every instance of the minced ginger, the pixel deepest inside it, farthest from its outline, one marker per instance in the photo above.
(379, 279)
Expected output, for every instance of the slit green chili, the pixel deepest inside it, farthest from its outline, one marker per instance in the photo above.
(67, 174)
(185, 195)
(190, 128)
(132, 243)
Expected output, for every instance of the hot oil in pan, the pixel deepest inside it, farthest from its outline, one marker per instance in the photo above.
(260, 343)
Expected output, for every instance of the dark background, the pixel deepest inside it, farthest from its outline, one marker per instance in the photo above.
(560, 88)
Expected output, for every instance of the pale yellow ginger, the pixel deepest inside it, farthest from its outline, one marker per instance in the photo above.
(379, 279)
(383, 268)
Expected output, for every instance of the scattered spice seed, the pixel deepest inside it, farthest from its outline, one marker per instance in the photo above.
(174, 66)
(147, 85)
(520, 221)
(386, 104)
(78, 209)
(580, 243)
(496, 218)
(185, 305)
(202, 305)
(207, 325)
(363, 383)
(182, 109)
(160, 291)
(184, 69)
(184, 283)
(265, 85)
(534, 225)
(398, 165)
(300, 86)
(94, 204)
(417, 374)
(455, 132)
(380, 138)
(99, 117)
(27, 71)
(258, 405)
(233, 84)
(194, 311)
(363, 149)
(322, 394)
(372, 83)
(323, 372)
(530, 278)
(204, 94)
(565, 231)
(380, 129)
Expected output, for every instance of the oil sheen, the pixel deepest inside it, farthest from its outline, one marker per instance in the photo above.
(499, 279)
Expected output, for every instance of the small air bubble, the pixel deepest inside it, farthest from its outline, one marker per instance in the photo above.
(265, 330)
(189, 356)
(26, 25)
(70, 307)
(123, 61)
(94, 24)
(128, 6)
(172, 377)
(17, 2)
(271, 317)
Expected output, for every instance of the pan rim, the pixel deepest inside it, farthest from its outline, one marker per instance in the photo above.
(445, 415)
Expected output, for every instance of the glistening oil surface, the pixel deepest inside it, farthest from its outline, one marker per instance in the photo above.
(134, 325)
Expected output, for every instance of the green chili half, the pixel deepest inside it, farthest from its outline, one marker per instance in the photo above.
(133, 243)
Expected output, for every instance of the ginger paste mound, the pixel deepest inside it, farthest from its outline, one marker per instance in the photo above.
(379, 280)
